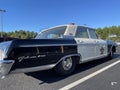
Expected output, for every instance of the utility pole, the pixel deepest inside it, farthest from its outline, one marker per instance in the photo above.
(1, 21)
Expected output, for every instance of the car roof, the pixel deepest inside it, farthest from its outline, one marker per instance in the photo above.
(67, 25)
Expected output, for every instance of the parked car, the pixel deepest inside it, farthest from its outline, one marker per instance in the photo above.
(60, 47)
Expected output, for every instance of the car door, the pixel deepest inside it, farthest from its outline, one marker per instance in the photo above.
(100, 45)
(86, 46)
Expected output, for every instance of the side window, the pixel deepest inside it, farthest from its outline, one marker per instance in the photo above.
(93, 34)
(81, 32)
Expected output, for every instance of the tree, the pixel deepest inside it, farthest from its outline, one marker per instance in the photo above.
(23, 34)
(106, 31)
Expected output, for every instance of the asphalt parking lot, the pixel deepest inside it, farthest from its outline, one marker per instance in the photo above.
(48, 80)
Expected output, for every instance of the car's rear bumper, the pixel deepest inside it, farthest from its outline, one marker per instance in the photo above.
(5, 66)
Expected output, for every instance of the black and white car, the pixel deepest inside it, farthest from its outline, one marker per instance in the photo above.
(60, 47)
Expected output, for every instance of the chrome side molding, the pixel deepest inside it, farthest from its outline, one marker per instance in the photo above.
(33, 69)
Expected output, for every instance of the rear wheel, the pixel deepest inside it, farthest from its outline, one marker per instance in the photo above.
(66, 66)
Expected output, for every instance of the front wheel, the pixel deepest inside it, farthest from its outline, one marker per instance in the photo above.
(66, 66)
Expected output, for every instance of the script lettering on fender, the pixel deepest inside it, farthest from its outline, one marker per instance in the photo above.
(30, 57)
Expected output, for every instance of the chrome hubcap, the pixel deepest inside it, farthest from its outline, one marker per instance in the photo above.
(67, 63)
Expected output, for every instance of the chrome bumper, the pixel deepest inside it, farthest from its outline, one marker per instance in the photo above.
(5, 66)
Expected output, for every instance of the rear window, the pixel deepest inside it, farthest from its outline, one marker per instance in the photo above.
(53, 33)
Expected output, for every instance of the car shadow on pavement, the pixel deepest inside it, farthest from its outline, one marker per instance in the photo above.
(49, 76)
(46, 76)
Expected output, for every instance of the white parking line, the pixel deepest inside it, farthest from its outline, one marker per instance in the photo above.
(88, 77)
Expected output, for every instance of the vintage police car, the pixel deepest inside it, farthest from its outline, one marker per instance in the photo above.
(60, 47)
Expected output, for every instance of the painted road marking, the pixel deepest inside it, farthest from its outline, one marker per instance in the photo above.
(113, 83)
(88, 77)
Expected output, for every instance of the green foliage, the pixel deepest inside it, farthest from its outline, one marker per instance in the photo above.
(20, 34)
(107, 31)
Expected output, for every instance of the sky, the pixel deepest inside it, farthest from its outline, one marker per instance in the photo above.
(35, 15)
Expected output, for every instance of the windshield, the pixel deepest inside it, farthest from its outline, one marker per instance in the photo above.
(56, 32)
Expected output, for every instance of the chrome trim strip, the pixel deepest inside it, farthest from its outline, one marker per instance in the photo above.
(33, 69)
(48, 45)
(6, 61)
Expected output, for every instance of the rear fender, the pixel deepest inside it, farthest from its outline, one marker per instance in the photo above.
(76, 57)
